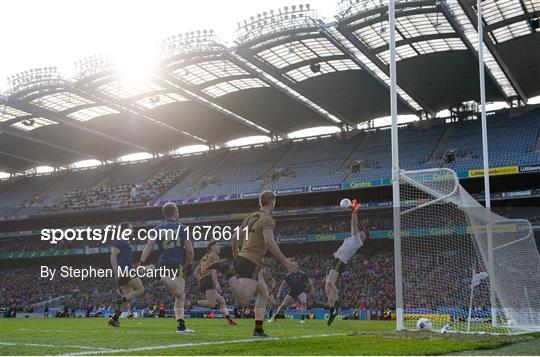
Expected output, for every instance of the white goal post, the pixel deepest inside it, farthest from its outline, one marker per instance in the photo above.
(445, 254)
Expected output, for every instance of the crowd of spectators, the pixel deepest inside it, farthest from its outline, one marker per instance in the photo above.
(104, 195)
(367, 282)
(432, 279)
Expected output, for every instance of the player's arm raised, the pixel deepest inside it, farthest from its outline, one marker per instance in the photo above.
(276, 252)
(114, 260)
(354, 224)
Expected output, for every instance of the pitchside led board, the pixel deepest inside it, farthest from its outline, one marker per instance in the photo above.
(322, 178)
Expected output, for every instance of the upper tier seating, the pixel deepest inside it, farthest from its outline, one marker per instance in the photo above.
(283, 165)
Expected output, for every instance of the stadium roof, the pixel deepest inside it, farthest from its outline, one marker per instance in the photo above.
(288, 71)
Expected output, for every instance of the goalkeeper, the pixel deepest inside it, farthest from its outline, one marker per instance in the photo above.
(349, 247)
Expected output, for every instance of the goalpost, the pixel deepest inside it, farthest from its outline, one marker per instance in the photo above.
(445, 259)
(456, 262)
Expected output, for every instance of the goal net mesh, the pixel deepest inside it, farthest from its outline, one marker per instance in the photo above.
(445, 259)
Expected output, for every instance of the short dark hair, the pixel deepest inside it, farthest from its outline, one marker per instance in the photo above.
(211, 244)
(266, 197)
(168, 209)
(124, 226)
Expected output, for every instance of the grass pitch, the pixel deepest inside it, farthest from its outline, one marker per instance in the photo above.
(215, 337)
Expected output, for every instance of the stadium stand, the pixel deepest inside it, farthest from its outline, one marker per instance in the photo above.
(313, 162)
(65, 184)
(465, 140)
(197, 166)
(105, 195)
(242, 171)
(279, 166)
(23, 189)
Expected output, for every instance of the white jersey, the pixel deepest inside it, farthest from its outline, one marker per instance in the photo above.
(348, 248)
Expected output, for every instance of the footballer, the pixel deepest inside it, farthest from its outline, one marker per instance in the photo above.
(176, 253)
(298, 283)
(208, 281)
(128, 288)
(249, 259)
(341, 257)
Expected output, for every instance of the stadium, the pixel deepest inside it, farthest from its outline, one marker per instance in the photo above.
(352, 183)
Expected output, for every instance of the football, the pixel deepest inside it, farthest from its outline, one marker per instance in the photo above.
(345, 203)
(424, 324)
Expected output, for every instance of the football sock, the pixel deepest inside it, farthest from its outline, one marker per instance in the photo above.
(258, 325)
(181, 324)
(303, 317)
(228, 317)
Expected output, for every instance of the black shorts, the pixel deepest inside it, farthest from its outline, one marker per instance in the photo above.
(245, 268)
(338, 266)
(172, 266)
(296, 294)
(206, 283)
(123, 280)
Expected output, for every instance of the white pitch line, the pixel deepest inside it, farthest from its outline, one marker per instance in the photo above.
(101, 349)
(198, 344)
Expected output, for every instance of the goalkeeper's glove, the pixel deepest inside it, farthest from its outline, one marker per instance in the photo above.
(355, 205)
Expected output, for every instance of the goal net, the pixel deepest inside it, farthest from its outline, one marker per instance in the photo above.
(447, 271)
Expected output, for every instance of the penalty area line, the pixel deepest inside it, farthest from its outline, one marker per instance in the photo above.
(200, 344)
(101, 349)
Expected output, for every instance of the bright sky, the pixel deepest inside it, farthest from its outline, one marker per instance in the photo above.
(59, 32)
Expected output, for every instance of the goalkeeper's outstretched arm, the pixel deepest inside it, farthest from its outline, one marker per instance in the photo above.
(355, 229)
(354, 224)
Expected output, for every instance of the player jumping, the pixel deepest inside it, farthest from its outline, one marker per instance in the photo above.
(248, 261)
(297, 283)
(208, 281)
(349, 247)
(176, 255)
(128, 288)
